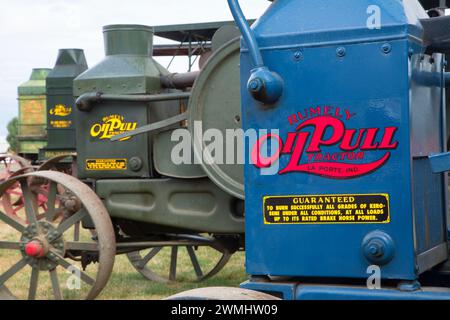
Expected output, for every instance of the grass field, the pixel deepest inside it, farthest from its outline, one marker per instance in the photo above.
(126, 283)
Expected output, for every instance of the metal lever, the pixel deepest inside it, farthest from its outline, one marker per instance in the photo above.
(264, 85)
(152, 127)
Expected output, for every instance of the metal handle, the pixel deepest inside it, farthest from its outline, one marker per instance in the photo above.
(264, 85)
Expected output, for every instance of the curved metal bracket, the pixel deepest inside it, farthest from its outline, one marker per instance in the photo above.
(264, 85)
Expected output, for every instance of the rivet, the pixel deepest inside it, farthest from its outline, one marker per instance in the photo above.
(298, 55)
(386, 48)
(340, 52)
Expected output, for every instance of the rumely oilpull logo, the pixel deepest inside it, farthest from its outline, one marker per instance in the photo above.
(61, 110)
(111, 126)
(307, 152)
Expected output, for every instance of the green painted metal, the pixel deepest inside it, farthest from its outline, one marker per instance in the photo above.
(32, 114)
(162, 149)
(215, 101)
(194, 205)
(127, 69)
(60, 102)
(223, 35)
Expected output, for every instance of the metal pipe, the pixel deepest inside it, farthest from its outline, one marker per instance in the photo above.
(264, 85)
(179, 50)
(150, 244)
(179, 80)
(247, 33)
(431, 79)
(87, 101)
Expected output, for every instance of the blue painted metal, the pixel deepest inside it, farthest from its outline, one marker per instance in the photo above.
(378, 248)
(286, 290)
(298, 291)
(315, 292)
(440, 162)
(364, 78)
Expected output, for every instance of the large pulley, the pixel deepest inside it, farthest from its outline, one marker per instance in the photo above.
(215, 105)
(52, 251)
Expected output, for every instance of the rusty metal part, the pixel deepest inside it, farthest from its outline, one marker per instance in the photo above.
(19, 160)
(222, 293)
(167, 50)
(53, 235)
(13, 166)
(53, 162)
(141, 261)
(179, 80)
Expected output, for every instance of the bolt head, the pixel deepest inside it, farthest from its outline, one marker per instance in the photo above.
(374, 250)
(386, 48)
(256, 85)
(340, 51)
(298, 55)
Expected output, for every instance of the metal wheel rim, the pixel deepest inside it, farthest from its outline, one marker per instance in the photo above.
(97, 212)
(138, 262)
(6, 200)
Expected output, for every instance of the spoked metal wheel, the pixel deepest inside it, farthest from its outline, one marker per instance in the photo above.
(65, 163)
(192, 260)
(44, 256)
(10, 166)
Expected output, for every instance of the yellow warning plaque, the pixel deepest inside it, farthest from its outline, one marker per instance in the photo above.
(327, 209)
(106, 164)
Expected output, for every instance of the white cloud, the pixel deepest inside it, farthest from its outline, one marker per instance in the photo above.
(31, 32)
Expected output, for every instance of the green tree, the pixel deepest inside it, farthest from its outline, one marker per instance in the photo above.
(13, 130)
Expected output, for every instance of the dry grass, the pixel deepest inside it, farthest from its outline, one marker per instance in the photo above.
(126, 283)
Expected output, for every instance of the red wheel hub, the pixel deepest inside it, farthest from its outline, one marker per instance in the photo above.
(35, 249)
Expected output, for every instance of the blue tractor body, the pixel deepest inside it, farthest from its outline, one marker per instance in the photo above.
(351, 174)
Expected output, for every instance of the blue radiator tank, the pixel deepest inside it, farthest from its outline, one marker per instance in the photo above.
(349, 183)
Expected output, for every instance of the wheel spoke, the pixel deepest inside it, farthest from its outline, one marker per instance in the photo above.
(55, 285)
(194, 260)
(30, 209)
(12, 271)
(51, 202)
(10, 245)
(69, 222)
(33, 283)
(149, 256)
(76, 232)
(68, 266)
(173, 264)
(12, 222)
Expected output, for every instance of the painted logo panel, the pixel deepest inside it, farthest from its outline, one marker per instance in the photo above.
(111, 126)
(323, 128)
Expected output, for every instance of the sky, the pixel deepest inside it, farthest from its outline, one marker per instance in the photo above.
(32, 31)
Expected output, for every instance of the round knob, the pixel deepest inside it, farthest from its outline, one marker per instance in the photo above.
(136, 164)
(265, 86)
(35, 249)
(378, 248)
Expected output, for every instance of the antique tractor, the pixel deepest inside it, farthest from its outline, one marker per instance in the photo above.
(348, 197)
(348, 178)
(127, 196)
(46, 127)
